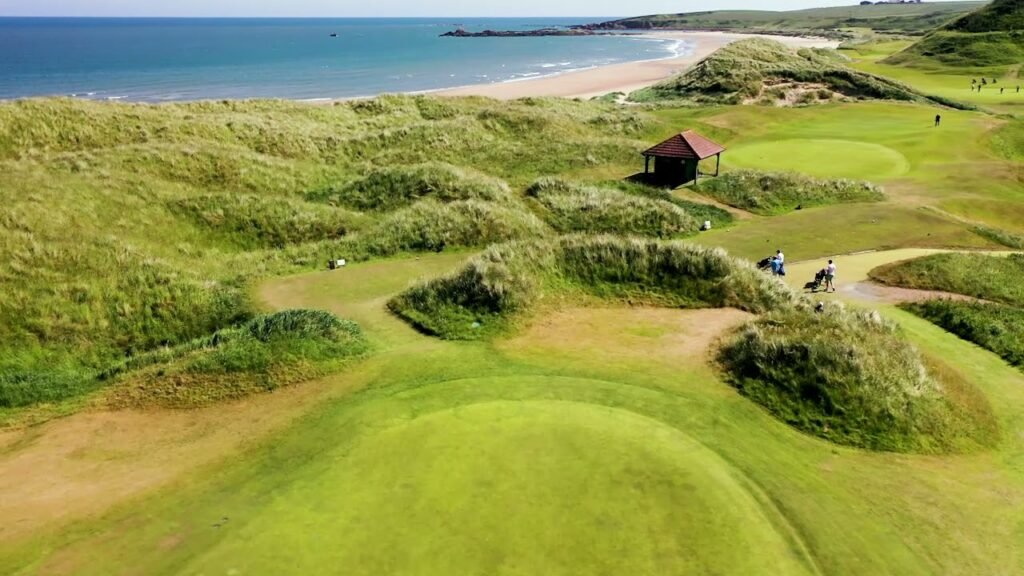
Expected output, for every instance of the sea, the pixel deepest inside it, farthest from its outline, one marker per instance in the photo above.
(165, 59)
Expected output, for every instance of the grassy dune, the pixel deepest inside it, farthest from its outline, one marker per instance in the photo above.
(768, 72)
(770, 193)
(992, 35)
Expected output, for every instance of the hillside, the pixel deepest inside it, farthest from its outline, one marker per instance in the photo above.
(909, 19)
(990, 36)
(767, 72)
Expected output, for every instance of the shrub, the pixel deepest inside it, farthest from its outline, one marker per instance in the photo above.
(389, 188)
(504, 281)
(258, 222)
(779, 192)
(844, 375)
(576, 208)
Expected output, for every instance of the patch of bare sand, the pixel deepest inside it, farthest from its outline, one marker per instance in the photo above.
(613, 334)
(84, 465)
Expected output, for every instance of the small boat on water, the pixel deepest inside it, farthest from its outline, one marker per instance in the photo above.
(334, 34)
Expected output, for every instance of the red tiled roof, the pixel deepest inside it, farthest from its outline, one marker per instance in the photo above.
(689, 144)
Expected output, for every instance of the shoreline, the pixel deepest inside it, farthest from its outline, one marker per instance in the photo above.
(625, 77)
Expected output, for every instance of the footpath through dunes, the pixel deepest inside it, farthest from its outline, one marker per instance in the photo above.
(515, 456)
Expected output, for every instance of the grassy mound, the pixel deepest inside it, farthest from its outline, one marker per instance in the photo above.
(572, 207)
(779, 192)
(394, 187)
(698, 210)
(265, 353)
(847, 376)
(766, 71)
(1008, 239)
(259, 222)
(992, 278)
(990, 36)
(995, 327)
(431, 226)
(484, 296)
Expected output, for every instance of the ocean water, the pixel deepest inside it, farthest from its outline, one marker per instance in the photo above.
(145, 59)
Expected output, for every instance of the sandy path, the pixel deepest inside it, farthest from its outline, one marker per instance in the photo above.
(624, 78)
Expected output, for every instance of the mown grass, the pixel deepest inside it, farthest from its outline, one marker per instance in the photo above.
(770, 193)
(992, 278)
(851, 377)
(389, 188)
(570, 207)
(751, 69)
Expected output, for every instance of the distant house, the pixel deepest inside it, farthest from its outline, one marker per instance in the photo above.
(677, 160)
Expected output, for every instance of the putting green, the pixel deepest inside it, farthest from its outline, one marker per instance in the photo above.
(820, 157)
(513, 487)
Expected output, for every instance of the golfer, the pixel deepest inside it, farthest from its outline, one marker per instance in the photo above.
(780, 258)
(830, 276)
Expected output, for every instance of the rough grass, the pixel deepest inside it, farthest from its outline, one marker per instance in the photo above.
(130, 227)
(432, 226)
(993, 35)
(993, 278)
(259, 222)
(699, 211)
(492, 289)
(571, 207)
(848, 376)
(771, 193)
(267, 352)
(392, 187)
(1008, 239)
(743, 71)
(998, 328)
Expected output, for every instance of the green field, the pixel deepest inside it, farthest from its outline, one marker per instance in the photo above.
(578, 417)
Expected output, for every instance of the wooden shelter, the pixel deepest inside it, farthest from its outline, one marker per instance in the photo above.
(677, 160)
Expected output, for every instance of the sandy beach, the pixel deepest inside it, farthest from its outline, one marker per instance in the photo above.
(622, 77)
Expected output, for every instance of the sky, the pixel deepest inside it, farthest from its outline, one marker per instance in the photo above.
(410, 8)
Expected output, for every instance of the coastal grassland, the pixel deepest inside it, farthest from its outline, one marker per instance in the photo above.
(844, 375)
(848, 376)
(992, 35)
(131, 227)
(448, 440)
(495, 288)
(571, 207)
(700, 211)
(388, 188)
(769, 193)
(994, 278)
(943, 80)
(995, 322)
(839, 21)
(768, 72)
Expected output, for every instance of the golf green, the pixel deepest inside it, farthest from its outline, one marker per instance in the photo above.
(820, 157)
(583, 488)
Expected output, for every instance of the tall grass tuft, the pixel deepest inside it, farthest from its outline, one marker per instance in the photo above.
(848, 376)
(259, 222)
(571, 207)
(392, 187)
(486, 296)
